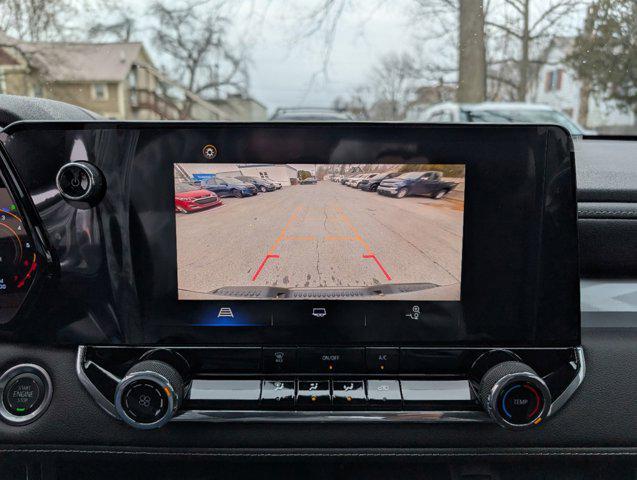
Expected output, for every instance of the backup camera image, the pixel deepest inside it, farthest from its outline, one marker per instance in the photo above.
(307, 231)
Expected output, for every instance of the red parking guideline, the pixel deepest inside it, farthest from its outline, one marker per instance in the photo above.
(371, 255)
(267, 257)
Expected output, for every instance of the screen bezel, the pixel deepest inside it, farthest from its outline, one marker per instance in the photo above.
(543, 310)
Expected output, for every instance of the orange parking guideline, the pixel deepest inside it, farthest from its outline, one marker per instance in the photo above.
(357, 235)
(278, 240)
(336, 237)
(368, 251)
(369, 254)
(310, 237)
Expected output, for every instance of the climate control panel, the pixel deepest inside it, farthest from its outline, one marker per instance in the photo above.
(148, 387)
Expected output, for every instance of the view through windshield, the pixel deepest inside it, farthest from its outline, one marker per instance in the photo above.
(252, 60)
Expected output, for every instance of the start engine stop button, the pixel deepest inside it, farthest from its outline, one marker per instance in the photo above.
(25, 393)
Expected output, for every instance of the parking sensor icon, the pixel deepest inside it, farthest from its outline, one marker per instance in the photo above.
(319, 312)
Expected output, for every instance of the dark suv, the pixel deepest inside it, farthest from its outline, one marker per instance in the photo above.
(229, 187)
(416, 183)
(262, 185)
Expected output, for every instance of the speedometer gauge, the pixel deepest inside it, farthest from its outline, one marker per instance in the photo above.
(18, 260)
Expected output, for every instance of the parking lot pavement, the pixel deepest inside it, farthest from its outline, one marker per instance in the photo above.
(323, 235)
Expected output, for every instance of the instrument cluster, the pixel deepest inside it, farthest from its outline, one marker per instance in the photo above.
(18, 258)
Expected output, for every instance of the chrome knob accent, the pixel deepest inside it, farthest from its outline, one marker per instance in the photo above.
(514, 395)
(81, 182)
(149, 394)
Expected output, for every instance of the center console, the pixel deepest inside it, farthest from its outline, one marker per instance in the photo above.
(297, 272)
(148, 387)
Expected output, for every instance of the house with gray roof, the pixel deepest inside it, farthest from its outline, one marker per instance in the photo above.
(116, 80)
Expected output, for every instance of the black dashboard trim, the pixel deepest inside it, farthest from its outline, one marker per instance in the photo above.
(332, 453)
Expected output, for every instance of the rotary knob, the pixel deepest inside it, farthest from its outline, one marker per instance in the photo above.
(514, 395)
(149, 394)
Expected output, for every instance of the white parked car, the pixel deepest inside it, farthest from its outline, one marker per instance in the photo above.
(497, 112)
(355, 181)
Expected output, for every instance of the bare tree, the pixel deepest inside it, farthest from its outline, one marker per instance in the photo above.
(389, 91)
(393, 83)
(35, 20)
(48, 20)
(195, 44)
(357, 103)
(511, 42)
(520, 35)
(122, 29)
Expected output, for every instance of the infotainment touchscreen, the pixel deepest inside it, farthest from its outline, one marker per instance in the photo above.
(309, 231)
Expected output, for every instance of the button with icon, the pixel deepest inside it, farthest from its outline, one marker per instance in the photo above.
(278, 394)
(349, 394)
(384, 394)
(279, 359)
(414, 313)
(314, 395)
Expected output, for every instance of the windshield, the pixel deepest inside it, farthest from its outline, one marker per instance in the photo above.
(212, 60)
(184, 187)
(523, 116)
(232, 181)
(410, 175)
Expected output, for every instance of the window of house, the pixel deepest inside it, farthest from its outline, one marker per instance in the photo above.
(553, 80)
(100, 91)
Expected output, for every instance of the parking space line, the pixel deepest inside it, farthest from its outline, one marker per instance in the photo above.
(336, 238)
(301, 238)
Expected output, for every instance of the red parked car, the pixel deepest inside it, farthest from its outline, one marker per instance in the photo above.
(192, 199)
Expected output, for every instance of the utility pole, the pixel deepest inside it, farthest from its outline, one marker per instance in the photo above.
(472, 63)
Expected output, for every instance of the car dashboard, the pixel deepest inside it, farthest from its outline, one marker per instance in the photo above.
(471, 314)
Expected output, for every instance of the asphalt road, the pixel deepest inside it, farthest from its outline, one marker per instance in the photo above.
(322, 236)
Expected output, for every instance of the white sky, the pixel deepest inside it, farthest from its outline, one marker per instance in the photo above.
(287, 70)
(285, 73)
